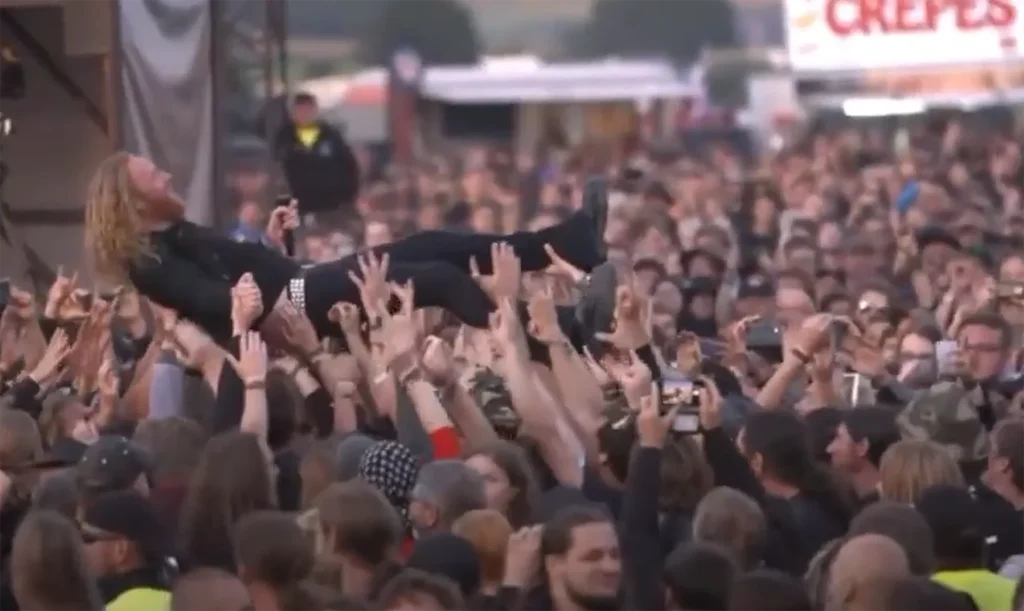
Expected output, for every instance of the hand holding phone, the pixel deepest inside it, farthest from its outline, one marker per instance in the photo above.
(683, 395)
(946, 357)
(289, 221)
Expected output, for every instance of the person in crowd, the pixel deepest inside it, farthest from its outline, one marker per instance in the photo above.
(910, 467)
(321, 169)
(445, 490)
(128, 550)
(359, 535)
(447, 555)
(110, 464)
(273, 557)
(581, 567)
(904, 525)
(776, 444)
(860, 441)
(414, 590)
(699, 576)
(48, 565)
(960, 547)
(488, 532)
(209, 588)
(734, 521)
(859, 568)
(768, 589)
(234, 477)
(508, 480)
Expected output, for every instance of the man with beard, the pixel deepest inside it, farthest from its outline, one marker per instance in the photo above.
(582, 569)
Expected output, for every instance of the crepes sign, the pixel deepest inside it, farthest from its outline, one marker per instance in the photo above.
(829, 35)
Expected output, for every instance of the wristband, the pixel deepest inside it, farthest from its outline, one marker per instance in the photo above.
(256, 384)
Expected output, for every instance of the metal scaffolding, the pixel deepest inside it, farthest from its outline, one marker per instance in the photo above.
(251, 68)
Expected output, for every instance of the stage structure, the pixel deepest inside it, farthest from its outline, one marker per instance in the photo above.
(162, 78)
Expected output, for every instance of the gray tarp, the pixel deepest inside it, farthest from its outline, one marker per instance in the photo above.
(167, 93)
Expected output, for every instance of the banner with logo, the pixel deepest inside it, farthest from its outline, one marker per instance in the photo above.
(839, 35)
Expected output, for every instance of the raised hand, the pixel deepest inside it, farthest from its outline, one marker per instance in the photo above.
(252, 362)
(630, 331)
(246, 304)
(282, 218)
(437, 360)
(811, 336)
(543, 325)
(652, 427)
(562, 268)
(346, 316)
(523, 557)
(297, 331)
(399, 330)
(507, 330)
(107, 381)
(508, 271)
(53, 358)
(636, 376)
(60, 293)
(372, 283)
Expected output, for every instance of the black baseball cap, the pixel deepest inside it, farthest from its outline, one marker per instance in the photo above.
(128, 514)
(112, 463)
(933, 234)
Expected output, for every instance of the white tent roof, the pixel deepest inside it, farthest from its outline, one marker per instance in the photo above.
(521, 79)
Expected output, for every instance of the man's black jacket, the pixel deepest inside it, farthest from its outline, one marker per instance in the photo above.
(324, 176)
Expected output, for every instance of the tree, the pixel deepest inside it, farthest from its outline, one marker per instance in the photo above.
(677, 29)
(441, 31)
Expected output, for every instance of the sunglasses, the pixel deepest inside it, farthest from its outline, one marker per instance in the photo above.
(92, 535)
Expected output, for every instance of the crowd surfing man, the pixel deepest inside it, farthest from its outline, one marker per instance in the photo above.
(799, 390)
(135, 229)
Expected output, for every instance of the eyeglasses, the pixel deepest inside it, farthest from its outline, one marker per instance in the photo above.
(965, 347)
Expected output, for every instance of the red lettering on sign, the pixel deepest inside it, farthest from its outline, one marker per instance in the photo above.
(846, 17)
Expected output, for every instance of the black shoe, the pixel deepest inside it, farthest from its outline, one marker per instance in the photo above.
(596, 309)
(595, 206)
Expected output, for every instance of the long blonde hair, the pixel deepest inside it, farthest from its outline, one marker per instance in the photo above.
(911, 466)
(114, 233)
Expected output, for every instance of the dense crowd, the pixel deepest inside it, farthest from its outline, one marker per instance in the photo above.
(793, 383)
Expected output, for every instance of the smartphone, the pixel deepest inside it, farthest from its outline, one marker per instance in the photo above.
(945, 357)
(764, 338)
(683, 393)
(283, 200)
(854, 385)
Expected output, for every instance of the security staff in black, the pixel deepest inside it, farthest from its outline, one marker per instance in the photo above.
(321, 170)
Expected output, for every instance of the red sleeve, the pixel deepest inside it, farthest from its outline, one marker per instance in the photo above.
(446, 443)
